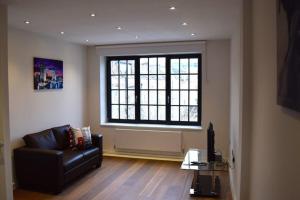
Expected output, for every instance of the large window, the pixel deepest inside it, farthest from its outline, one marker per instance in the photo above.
(154, 89)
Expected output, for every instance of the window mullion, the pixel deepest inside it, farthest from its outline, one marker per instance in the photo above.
(108, 82)
(199, 89)
(148, 90)
(179, 92)
(137, 89)
(168, 90)
(188, 89)
(157, 89)
(119, 89)
(127, 88)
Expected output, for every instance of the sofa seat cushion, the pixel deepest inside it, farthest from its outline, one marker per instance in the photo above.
(90, 152)
(72, 159)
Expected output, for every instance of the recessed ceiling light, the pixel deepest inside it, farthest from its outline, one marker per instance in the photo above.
(62, 32)
(93, 15)
(184, 24)
(119, 27)
(193, 34)
(87, 40)
(172, 8)
(27, 22)
(136, 37)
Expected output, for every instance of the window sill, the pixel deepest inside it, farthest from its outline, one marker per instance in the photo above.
(152, 126)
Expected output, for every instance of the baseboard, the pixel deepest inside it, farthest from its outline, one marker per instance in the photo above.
(143, 156)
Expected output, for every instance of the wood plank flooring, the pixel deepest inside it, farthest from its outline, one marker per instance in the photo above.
(130, 179)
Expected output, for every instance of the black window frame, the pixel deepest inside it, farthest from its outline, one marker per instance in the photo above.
(168, 89)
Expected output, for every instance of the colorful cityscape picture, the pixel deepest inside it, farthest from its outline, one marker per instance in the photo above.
(48, 74)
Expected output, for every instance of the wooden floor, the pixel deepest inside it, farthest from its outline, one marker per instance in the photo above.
(129, 179)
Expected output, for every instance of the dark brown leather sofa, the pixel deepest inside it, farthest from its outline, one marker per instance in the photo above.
(47, 164)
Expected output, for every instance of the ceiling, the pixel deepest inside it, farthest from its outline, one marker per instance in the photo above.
(141, 20)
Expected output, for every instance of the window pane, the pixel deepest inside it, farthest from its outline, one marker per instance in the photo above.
(123, 84)
(152, 97)
(131, 112)
(123, 112)
(153, 82)
(144, 82)
(182, 74)
(115, 112)
(144, 66)
(174, 66)
(162, 97)
(144, 112)
(152, 65)
(161, 112)
(152, 112)
(131, 82)
(115, 82)
(131, 97)
(161, 82)
(184, 115)
(131, 67)
(184, 97)
(174, 81)
(162, 65)
(174, 113)
(193, 81)
(194, 98)
(123, 67)
(174, 97)
(193, 65)
(144, 97)
(114, 67)
(123, 97)
(193, 113)
(115, 97)
(184, 81)
(184, 66)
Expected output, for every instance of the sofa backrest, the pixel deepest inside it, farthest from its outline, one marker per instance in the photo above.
(61, 136)
(42, 140)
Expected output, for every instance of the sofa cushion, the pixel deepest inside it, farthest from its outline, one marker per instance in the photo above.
(90, 152)
(87, 135)
(72, 159)
(61, 136)
(71, 139)
(43, 140)
(83, 137)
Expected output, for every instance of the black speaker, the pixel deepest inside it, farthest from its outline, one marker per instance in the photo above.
(210, 143)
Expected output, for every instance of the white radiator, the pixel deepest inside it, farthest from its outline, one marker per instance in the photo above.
(154, 141)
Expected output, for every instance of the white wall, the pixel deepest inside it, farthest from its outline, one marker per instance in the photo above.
(275, 131)
(30, 110)
(215, 98)
(5, 160)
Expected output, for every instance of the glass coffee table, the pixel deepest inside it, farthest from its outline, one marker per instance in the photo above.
(203, 185)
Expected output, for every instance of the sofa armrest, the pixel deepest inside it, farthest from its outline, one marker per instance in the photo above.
(39, 168)
(97, 140)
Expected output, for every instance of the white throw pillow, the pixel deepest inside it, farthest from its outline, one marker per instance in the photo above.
(85, 133)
